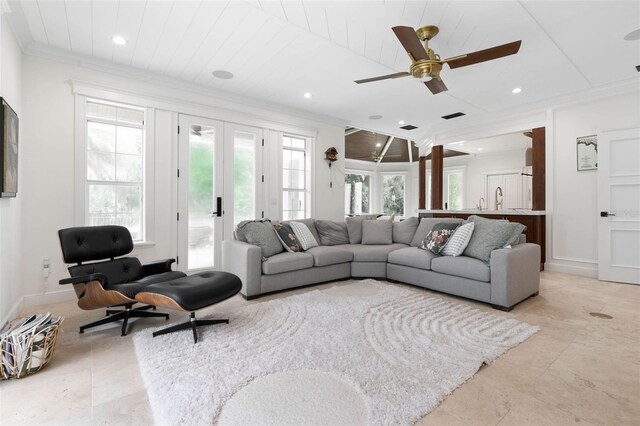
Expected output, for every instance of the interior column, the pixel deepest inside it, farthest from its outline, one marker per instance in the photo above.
(436, 177)
(538, 169)
(422, 181)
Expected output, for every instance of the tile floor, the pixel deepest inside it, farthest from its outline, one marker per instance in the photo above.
(577, 369)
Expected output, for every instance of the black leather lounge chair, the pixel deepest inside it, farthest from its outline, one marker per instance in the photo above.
(113, 282)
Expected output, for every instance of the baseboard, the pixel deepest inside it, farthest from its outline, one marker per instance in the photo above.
(49, 297)
(585, 271)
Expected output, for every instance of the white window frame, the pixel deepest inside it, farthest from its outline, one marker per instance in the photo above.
(372, 181)
(81, 186)
(308, 172)
(404, 175)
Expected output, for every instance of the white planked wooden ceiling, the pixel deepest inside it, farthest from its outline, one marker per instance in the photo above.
(279, 50)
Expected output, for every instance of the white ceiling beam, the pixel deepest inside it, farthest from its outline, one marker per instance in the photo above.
(410, 151)
(385, 148)
(351, 131)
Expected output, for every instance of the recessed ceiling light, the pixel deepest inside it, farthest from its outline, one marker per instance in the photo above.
(225, 75)
(401, 122)
(378, 145)
(119, 40)
(479, 149)
(633, 35)
(375, 117)
(516, 90)
(307, 95)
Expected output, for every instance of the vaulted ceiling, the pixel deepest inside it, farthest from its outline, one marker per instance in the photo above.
(278, 50)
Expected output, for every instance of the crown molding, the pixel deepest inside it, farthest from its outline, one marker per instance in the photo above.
(228, 99)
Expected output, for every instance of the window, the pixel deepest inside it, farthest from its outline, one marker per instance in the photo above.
(357, 194)
(115, 158)
(393, 195)
(294, 178)
(453, 188)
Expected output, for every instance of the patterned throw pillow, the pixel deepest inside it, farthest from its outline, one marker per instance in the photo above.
(438, 237)
(304, 235)
(459, 240)
(287, 237)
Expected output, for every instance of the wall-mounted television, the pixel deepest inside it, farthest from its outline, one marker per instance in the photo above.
(8, 150)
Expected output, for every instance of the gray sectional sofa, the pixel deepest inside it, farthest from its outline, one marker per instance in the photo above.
(511, 275)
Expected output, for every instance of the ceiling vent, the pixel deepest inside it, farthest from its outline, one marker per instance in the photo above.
(408, 127)
(638, 68)
(454, 115)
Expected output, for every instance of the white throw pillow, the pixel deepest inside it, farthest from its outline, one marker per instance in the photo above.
(459, 240)
(304, 235)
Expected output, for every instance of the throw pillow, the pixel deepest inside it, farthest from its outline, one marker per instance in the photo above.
(491, 234)
(311, 224)
(459, 240)
(261, 233)
(332, 233)
(377, 232)
(438, 237)
(426, 224)
(304, 235)
(354, 227)
(287, 238)
(404, 230)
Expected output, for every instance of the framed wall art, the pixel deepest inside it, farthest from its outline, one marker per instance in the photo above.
(587, 149)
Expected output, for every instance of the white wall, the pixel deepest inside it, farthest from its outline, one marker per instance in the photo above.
(10, 208)
(48, 173)
(575, 214)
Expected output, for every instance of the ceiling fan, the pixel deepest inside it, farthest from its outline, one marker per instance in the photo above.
(426, 64)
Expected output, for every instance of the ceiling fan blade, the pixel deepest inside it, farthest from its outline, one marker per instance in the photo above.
(410, 42)
(436, 85)
(384, 77)
(484, 55)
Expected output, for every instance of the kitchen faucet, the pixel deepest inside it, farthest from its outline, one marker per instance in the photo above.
(498, 204)
(479, 205)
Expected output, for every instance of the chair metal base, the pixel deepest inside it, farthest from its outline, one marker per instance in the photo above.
(192, 324)
(125, 314)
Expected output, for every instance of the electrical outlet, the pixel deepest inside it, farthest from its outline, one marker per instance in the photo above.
(46, 267)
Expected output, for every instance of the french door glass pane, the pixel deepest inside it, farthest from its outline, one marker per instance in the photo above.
(245, 176)
(202, 141)
(454, 190)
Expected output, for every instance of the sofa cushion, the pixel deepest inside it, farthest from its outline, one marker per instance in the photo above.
(354, 227)
(323, 256)
(285, 262)
(426, 224)
(262, 234)
(371, 253)
(412, 256)
(304, 235)
(404, 230)
(377, 232)
(311, 224)
(437, 239)
(462, 266)
(332, 233)
(287, 237)
(491, 234)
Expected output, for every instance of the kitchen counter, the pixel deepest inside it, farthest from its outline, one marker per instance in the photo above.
(509, 212)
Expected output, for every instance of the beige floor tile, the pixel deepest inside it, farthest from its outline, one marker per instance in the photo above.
(440, 417)
(132, 409)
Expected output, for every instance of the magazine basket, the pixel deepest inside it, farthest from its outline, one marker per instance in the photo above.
(26, 354)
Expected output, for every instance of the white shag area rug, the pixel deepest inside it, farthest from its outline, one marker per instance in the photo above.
(383, 355)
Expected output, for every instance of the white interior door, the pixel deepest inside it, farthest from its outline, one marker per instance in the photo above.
(619, 206)
(200, 192)
(243, 164)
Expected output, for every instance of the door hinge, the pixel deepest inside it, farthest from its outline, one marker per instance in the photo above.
(263, 215)
(178, 174)
(177, 259)
(262, 178)
(178, 129)
(262, 142)
(177, 216)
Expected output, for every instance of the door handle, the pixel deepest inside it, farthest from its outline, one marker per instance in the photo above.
(218, 211)
(606, 214)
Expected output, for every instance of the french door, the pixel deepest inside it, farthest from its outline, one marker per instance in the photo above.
(619, 206)
(200, 193)
(219, 185)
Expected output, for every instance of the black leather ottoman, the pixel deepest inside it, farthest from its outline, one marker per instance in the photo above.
(190, 294)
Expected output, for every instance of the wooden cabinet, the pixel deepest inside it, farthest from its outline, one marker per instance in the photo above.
(535, 231)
